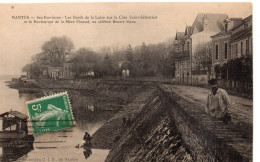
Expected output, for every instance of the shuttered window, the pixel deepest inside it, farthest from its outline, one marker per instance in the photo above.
(216, 52)
(226, 52)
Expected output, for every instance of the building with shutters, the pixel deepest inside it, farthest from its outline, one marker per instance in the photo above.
(188, 62)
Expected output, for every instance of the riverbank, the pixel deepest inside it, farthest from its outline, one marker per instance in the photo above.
(112, 130)
(170, 125)
(89, 84)
(163, 123)
(151, 134)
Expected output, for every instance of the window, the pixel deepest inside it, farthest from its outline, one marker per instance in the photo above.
(241, 48)
(226, 54)
(232, 51)
(236, 50)
(226, 27)
(247, 47)
(188, 45)
(217, 52)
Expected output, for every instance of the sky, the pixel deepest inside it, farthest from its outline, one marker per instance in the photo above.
(20, 41)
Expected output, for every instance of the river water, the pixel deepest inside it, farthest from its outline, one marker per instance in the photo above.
(56, 146)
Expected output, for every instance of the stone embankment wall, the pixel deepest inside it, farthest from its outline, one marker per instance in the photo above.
(209, 139)
(152, 136)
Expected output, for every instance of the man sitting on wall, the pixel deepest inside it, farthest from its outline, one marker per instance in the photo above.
(218, 102)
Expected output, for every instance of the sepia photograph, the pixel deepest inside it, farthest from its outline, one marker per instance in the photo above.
(126, 82)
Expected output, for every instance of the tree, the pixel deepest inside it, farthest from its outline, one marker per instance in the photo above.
(57, 49)
(26, 69)
(129, 54)
(107, 68)
(224, 71)
(33, 70)
(53, 53)
(84, 61)
(240, 69)
(217, 70)
(203, 56)
(146, 61)
(168, 66)
(237, 69)
(86, 55)
(130, 58)
(152, 60)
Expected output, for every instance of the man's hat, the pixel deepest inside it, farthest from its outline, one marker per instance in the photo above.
(213, 81)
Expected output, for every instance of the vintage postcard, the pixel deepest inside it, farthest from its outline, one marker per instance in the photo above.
(120, 82)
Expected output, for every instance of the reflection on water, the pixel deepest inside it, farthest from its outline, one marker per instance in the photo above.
(14, 153)
(58, 146)
(87, 152)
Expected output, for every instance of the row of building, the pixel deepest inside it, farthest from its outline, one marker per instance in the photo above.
(65, 71)
(212, 40)
(68, 71)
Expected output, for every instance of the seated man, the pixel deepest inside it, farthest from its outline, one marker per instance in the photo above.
(218, 102)
(87, 137)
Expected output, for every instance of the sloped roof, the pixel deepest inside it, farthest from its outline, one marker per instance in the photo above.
(120, 63)
(241, 35)
(215, 22)
(16, 114)
(222, 33)
(179, 35)
(235, 19)
(72, 60)
(248, 18)
(245, 20)
(188, 30)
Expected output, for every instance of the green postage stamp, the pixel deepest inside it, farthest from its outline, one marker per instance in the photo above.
(51, 113)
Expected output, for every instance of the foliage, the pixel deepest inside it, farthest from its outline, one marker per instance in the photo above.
(150, 60)
(224, 71)
(217, 70)
(84, 61)
(56, 49)
(238, 69)
(203, 56)
(129, 54)
(32, 69)
(107, 66)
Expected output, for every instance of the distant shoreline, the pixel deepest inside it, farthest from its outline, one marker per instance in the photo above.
(9, 76)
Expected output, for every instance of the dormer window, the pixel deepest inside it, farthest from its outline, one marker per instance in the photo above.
(205, 22)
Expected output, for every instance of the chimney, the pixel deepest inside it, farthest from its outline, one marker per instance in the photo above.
(205, 22)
